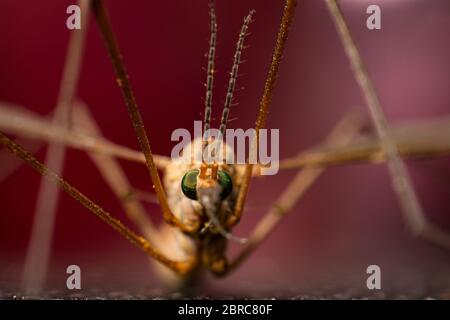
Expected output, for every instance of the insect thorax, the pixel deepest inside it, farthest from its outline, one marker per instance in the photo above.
(190, 211)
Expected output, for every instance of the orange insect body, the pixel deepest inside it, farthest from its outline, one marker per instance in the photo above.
(208, 245)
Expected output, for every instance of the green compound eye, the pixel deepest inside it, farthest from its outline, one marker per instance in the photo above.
(226, 183)
(189, 184)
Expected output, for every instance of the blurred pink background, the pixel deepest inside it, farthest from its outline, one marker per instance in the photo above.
(348, 220)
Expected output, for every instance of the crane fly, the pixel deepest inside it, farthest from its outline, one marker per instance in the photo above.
(201, 202)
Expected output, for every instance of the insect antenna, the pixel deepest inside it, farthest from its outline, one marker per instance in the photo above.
(234, 72)
(210, 72)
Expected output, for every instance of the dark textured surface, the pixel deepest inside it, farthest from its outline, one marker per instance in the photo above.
(326, 292)
(117, 295)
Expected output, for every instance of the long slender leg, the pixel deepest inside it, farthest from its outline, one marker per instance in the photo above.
(115, 177)
(411, 209)
(14, 120)
(424, 139)
(109, 168)
(135, 116)
(10, 163)
(181, 267)
(341, 134)
(39, 248)
(414, 140)
(286, 20)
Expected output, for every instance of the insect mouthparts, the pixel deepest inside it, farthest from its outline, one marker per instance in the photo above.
(213, 219)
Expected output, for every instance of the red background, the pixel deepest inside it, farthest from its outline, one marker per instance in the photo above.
(347, 221)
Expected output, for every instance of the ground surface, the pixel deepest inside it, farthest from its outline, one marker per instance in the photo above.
(345, 294)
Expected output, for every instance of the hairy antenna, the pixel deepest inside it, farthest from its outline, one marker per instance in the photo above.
(234, 72)
(266, 99)
(210, 72)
